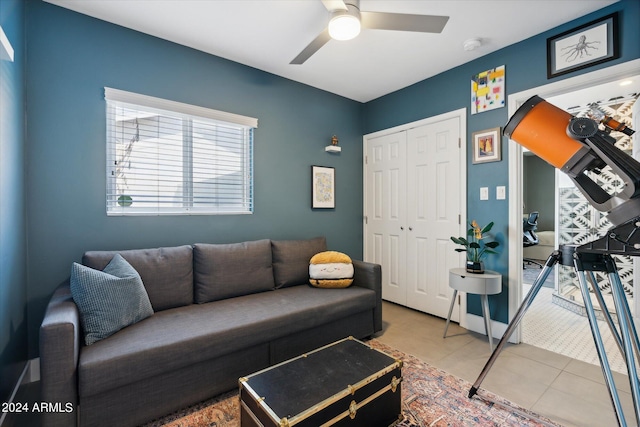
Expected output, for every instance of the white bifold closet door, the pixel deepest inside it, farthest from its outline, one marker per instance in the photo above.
(413, 193)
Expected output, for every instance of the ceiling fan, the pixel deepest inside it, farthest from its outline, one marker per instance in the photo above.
(347, 19)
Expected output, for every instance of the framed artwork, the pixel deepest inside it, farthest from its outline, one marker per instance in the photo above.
(486, 146)
(487, 90)
(323, 187)
(589, 44)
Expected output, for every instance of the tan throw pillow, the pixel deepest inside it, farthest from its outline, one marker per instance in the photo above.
(330, 269)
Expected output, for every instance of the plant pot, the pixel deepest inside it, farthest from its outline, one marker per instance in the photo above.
(475, 267)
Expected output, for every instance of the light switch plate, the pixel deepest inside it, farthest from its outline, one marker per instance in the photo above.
(484, 193)
(501, 192)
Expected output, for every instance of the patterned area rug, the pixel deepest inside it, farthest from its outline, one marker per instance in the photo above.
(431, 398)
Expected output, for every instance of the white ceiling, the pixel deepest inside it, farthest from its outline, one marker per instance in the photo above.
(268, 34)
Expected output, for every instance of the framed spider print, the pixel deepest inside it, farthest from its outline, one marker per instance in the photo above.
(589, 44)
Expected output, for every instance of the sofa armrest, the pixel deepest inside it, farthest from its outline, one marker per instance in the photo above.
(369, 275)
(59, 351)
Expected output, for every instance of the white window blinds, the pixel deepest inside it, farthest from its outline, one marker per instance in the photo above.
(170, 158)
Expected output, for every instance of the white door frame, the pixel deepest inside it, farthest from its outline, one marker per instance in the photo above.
(462, 115)
(635, 124)
(620, 71)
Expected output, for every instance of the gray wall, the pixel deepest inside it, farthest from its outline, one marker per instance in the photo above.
(538, 182)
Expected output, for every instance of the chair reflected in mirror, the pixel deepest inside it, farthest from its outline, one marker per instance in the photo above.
(529, 237)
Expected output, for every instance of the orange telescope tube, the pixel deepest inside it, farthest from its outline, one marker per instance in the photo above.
(542, 128)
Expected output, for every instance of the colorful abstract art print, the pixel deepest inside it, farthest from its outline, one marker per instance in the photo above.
(487, 90)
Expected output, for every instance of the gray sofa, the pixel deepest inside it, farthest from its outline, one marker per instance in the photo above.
(220, 312)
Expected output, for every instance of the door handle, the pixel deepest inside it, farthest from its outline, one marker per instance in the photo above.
(410, 228)
(401, 228)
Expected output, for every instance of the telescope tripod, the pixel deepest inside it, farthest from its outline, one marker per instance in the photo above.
(585, 263)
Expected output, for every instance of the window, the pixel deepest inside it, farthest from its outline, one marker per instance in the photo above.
(169, 158)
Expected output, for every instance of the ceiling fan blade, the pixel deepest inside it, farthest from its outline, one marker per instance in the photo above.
(403, 22)
(332, 5)
(312, 47)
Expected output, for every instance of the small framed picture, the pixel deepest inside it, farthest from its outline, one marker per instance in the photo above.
(486, 146)
(323, 187)
(589, 44)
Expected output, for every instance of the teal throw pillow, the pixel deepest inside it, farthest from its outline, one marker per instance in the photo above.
(108, 300)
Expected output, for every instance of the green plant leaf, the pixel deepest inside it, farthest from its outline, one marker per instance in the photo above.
(476, 248)
(460, 241)
(487, 228)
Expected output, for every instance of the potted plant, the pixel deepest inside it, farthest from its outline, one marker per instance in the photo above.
(475, 246)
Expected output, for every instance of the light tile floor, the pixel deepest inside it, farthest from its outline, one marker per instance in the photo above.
(552, 327)
(563, 389)
(549, 326)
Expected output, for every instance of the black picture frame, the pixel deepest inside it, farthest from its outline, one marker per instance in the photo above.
(323, 187)
(584, 46)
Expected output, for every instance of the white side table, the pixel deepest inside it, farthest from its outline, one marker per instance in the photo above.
(489, 283)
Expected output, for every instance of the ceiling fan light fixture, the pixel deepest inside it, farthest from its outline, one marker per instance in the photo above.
(345, 24)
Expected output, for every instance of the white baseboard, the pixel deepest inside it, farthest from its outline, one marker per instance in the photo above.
(34, 371)
(476, 324)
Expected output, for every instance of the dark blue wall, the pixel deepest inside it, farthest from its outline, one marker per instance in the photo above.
(525, 68)
(72, 57)
(13, 286)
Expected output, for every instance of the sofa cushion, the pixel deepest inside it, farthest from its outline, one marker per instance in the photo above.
(108, 300)
(291, 260)
(228, 270)
(167, 273)
(184, 336)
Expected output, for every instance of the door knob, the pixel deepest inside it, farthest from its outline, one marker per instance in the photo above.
(410, 228)
(401, 228)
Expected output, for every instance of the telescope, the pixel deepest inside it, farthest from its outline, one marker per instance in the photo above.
(577, 145)
(582, 147)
